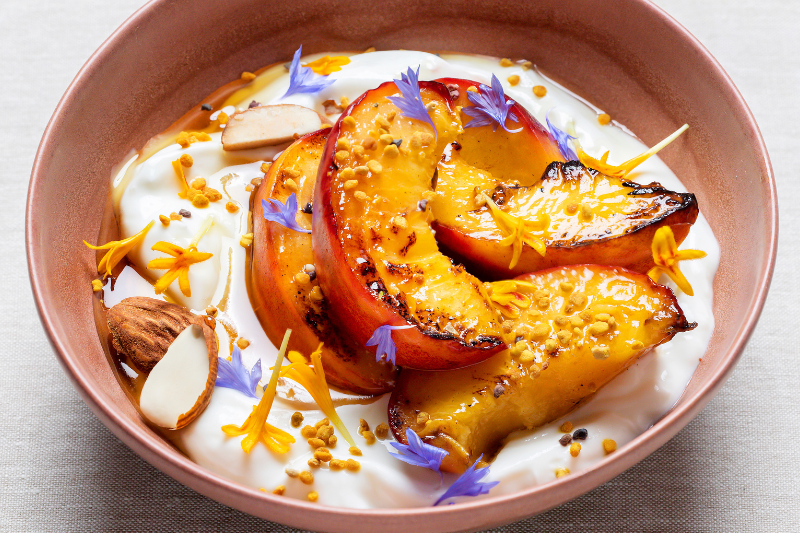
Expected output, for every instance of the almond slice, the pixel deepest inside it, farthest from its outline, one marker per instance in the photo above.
(269, 125)
(179, 387)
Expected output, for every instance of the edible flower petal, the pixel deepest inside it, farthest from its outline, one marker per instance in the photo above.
(382, 337)
(410, 103)
(255, 426)
(283, 214)
(325, 65)
(312, 378)
(117, 250)
(178, 265)
(620, 171)
(489, 106)
(418, 453)
(302, 80)
(233, 375)
(562, 139)
(469, 484)
(508, 298)
(518, 231)
(666, 257)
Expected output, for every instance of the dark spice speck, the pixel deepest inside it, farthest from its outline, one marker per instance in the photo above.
(456, 145)
(397, 142)
(308, 208)
(565, 439)
(312, 275)
(519, 338)
(206, 107)
(499, 390)
(185, 214)
(253, 104)
(422, 205)
(580, 434)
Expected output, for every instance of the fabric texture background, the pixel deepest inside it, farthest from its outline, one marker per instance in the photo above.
(731, 469)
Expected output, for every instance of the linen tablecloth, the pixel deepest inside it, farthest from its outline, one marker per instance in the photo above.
(734, 468)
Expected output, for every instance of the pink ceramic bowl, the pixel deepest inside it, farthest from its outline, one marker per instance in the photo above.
(627, 56)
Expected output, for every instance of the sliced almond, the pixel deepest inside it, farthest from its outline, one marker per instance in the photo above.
(179, 387)
(269, 125)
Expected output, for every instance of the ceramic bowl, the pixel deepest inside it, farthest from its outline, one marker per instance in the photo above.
(626, 56)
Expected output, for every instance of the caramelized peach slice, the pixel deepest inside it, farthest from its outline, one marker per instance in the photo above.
(593, 218)
(519, 157)
(585, 325)
(376, 255)
(284, 295)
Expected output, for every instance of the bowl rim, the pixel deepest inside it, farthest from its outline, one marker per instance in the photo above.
(233, 494)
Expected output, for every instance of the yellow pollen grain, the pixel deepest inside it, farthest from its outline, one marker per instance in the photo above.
(602, 317)
(603, 119)
(347, 173)
(323, 455)
(574, 449)
(566, 286)
(550, 345)
(586, 212)
(391, 151)
(359, 151)
(291, 472)
(369, 143)
(526, 356)
(561, 472)
(637, 345)
(290, 184)
(382, 430)
(301, 278)
(598, 328)
(360, 196)
(313, 496)
(344, 101)
(513, 80)
(323, 422)
(369, 437)
(297, 419)
(231, 207)
(175, 216)
(97, 285)
(472, 89)
(242, 343)
(571, 209)
(350, 184)
(324, 432)
(343, 144)
(600, 352)
(164, 219)
(564, 337)
(246, 240)
(506, 62)
(527, 65)
(186, 160)
(561, 320)
(374, 167)
(566, 427)
(350, 122)
(543, 303)
(342, 155)
(265, 167)
(337, 464)
(200, 201)
(361, 171)
(223, 117)
(609, 446)
(541, 330)
(542, 293)
(279, 490)
(316, 443)
(399, 222)
(211, 311)
(332, 441)
(578, 300)
(386, 138)
(199, 184)
(352, 465)
(314, 462)
(316, 295)
(354, 450)
(381, 121)
(540, 91)
(248, 76)
(308, 432)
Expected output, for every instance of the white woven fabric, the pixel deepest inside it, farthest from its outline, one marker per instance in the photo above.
(732, 469)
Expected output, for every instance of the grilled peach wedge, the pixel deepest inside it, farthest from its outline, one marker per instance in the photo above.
(284, 296)
(376, 255)
(520, 157)
(592, 218)
(585, 325)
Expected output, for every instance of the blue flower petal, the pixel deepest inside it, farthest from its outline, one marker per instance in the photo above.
(469, 484)
(489, 106)
(562, 139)
(418, 453)
(410, 103)
(303, 79)
(382, 337)
(284, 214)
(233, 375)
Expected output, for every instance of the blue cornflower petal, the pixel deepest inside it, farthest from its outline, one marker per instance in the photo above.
(303, 79)
(469, 484)
(418, 453)
(489, 106)
(382, 337)
(562, 139)
(233, 375)
(410, 103)
(283, 214)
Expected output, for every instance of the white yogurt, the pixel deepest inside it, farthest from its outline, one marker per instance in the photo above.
(621, 411)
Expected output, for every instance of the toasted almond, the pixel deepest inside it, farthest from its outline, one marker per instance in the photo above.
(269, 125)
(179, 387)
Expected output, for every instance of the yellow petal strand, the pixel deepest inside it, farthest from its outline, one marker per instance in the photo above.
(183, 282)
(162, 263)
(117, 250)
(165, 281)
(688, 255)
(519, 231)
(620, 171)
(313, 380)
(168, 248)
(176, 165)
(255, 426)
(680, 280)
(666, 257)
(326, 65)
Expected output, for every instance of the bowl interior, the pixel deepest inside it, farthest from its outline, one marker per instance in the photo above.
(627, 57)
